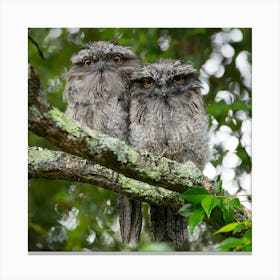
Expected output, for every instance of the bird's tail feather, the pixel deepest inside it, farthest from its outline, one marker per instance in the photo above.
(167, 226)
(130, 217)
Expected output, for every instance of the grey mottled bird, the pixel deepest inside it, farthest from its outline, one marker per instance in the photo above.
(97, 95)
(167, 117)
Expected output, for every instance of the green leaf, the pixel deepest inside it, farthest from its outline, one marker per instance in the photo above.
(186, 210)
(246, 159)
(217, 218)
(227, 228)
(248, 234)
(194, 195)
(239, 227)
(208, 204)
(230, 243)
(236, 203)
(225, 204)
(247, 248)
(196, 218)
(248, 223)
(218, 188)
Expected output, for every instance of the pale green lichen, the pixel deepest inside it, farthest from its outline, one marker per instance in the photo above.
(33, 112)
(155, 174)
(37, 155)
(151, 172)
(156, 167)
(96, 168)
(164, 166)
(129, 184)
(133, 157)
(123, 152)
(145, 153)
(66, 124)
(187, 173)
(89, 177)
(68, 163)
(90, 132)
(119, 149)
(144, 190)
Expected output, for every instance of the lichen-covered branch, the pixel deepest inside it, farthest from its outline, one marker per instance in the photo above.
(70, 136)
(53, 165)
(138, 169)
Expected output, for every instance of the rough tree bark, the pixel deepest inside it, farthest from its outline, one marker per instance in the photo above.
(53, 165)
(108, 155)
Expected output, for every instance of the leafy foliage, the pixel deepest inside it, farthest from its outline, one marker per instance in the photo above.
(208, 204)
(202, 205)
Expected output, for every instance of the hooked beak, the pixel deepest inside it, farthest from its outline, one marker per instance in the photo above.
(164, 93)
(100, 65)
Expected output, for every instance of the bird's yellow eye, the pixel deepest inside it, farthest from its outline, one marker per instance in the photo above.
(87, 62)
(148, 82)
(179, 79)
(117, 59)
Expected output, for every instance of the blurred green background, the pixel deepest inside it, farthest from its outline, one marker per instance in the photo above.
(69, 216)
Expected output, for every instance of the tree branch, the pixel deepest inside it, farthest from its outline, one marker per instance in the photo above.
(169, 176)
(53, 165)
(70, 136)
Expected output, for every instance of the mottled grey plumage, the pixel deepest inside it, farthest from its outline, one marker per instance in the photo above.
(167, 117)
(97, 94)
